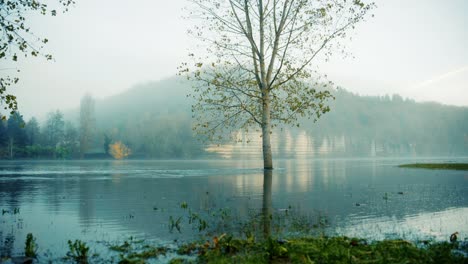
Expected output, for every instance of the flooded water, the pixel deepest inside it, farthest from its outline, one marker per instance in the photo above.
(111, 201)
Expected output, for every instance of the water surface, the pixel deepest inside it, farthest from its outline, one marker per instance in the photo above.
(99, 201)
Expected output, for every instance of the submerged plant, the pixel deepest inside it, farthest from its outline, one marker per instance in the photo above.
(78, 251)
(30, 249)
(174, 224)
(197, 221)
(385, 197)
(150, 252)
(126, 260)
(121, 248)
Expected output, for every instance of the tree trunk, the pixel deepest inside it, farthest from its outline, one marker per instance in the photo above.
(266, 133)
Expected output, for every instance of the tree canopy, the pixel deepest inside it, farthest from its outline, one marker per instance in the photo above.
(260, 58)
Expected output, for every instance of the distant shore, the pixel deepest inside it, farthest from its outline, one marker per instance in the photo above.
(437, 166)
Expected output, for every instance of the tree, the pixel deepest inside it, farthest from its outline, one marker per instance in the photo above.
(118, 150)
(69, 145)
(18, 40)
(261, 62)
(3, 134)
(16, 133)
(54, 129)
(107, 142)
(87, 123)
(32, 131)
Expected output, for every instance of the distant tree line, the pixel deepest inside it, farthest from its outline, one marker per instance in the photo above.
(56, 139)
(394, 125)
(365, 125)
(152, 135)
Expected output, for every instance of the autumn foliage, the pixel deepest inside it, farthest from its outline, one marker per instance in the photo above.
(118, 150)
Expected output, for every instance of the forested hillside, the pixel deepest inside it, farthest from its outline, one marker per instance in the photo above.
(154, 121)
(396, 126)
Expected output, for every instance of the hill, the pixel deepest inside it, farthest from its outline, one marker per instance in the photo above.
(154, 119)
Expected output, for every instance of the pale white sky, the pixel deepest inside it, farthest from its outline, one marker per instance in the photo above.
(416, 48)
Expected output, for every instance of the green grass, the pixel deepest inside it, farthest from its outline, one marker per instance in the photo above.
(78, 251)
(30, 248)
(325, 250)
(437, 166)
(150, 252)
(307, 249)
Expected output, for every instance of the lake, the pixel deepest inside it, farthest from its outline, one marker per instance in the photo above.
(111, 201)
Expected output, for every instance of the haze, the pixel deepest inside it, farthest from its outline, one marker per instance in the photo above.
(114, 158)
(413, 48)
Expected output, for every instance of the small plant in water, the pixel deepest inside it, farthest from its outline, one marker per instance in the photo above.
(174, 224)
(121, 248)
(195, 219)
(385, 197)
(30, 249)
(78, 251)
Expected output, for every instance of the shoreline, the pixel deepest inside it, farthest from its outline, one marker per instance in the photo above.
(226, 248)
(436, 166)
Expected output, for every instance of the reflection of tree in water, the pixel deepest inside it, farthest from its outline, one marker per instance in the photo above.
(6, 245)
(55, 196)
(86, 195)
(116, 167)
(11, 191)
(267, 204)
(14, 190)
(291, 219)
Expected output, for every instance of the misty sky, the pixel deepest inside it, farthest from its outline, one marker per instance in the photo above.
(415, 48)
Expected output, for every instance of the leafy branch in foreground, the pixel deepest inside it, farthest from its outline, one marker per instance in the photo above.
(17, 39)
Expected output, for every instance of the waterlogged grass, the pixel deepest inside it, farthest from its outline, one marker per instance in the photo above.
(78, 252)
(125, 247)
(137, 251)
(149, 252)
(293, 238)
(227, 248)
(437, 166)
(323, 250)
(30, 249)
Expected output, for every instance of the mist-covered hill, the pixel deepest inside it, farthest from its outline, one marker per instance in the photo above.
(154, 119)
(392, 125)
(153, 98)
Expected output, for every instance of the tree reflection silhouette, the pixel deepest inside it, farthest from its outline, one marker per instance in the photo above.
(267, 204)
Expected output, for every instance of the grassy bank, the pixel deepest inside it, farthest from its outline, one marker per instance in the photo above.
(229, 249)
(322, 250)
(437, 166)
(284, 237)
